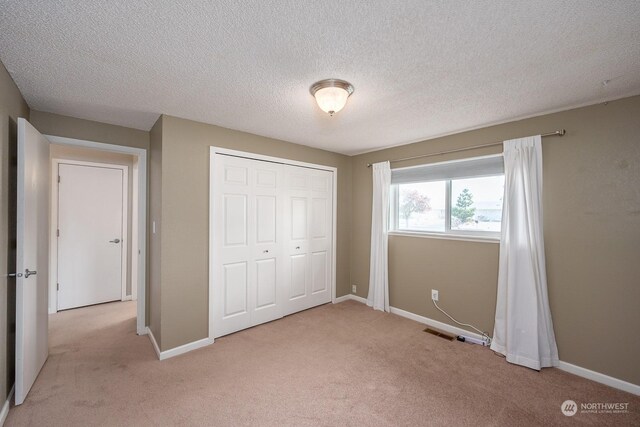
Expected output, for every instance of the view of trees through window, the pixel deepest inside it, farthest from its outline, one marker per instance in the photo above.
(421, 206)
(476, 205)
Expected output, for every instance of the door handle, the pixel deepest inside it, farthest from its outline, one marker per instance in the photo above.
(266, 251)
(114, 241)
(14, 274)
(28, 273)
(297, 247)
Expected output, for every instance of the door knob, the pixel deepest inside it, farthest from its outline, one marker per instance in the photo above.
(266, 251)
(28, 273)
(14, 274)
(114, 241)
(297, 247)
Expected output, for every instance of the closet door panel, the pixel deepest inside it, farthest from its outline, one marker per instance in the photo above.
(319, 218)
(297, 178)
(266, 218)
(296, 221)
(231, 231)
(266, 283)
(266, 178)
(235, 289)
(321, 235)
(235, 220)
(298, 218)
(320, 272)
(236, 174)
(298, 277)
(267, 242)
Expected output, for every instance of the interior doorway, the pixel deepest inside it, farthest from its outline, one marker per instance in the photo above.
(98, 225)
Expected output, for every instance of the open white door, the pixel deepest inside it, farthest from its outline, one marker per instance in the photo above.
(32, 257)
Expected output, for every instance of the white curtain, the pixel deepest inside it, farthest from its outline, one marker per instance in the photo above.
(523, 329)
(378, 271)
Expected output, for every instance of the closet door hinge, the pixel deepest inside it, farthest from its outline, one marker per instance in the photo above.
(57, 286)
(58, 179)
(58, 232)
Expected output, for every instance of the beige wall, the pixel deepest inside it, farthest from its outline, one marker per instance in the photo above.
(592, 233)
(185, 217)
(154, 246)
(67, 152)
(71, 127)
(12, 106)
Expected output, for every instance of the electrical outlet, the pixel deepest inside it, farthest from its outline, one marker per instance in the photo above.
(353, 288)
(434, 294)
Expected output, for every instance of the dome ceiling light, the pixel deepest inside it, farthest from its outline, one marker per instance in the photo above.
(331, 94)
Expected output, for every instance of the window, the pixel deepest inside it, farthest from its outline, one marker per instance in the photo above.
(453, 198)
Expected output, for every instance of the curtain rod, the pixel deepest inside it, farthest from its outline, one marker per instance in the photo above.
(560, 132)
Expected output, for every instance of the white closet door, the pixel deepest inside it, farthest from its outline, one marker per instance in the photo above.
(320, 235)
(308, 245)
(247, 211)
(268, 295)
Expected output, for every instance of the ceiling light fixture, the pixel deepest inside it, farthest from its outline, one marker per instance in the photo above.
(331, 94)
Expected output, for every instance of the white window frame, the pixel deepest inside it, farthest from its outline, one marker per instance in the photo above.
(467, 235)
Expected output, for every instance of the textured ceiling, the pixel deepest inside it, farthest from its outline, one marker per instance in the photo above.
(420, 68)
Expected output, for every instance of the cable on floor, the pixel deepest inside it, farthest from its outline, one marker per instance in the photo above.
(485, 335)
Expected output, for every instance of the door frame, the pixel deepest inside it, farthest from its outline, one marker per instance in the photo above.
(55, 207)
(213, 151)
(142, 179)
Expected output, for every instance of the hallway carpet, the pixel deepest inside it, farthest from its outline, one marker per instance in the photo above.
(335, 365)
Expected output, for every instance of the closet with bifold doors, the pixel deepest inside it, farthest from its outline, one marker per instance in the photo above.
(271, 239)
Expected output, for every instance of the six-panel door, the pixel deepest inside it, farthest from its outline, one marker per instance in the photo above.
(247, 245)
(308, 240)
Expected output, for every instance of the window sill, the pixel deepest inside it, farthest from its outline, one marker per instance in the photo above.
(446, 236)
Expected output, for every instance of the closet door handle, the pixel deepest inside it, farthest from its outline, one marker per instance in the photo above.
(266, 251)
(114, 241)
(297, 247)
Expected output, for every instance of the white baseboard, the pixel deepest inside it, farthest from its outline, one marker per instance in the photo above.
(162, 355)
(154, 342)
(127, 298)
(5, 408)
(600, 378)
(434, 323)
(350, 297)
(342, 299)
(564, 366)
(359, 299)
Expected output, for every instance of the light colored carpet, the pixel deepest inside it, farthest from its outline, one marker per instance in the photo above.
(340, 364)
